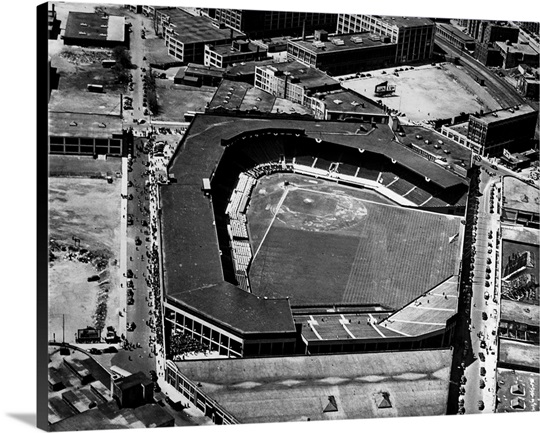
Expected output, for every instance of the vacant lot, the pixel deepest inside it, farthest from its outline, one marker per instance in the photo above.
(175, 99)
(89, 210)
(428, 93)
(326, 248)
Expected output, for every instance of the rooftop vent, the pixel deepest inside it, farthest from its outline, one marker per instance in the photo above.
(73, 124)
(354, 103)
(338, 42)
(494, 114)
(84, 24)
(82, 33)
(338, 101)
(318, 44)
(357, 39)
(102, 125)
(104, 26)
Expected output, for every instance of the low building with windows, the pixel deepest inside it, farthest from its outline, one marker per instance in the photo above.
(498, 130)
(90, 29)
(343, 54)
(521, 204)
(293, 81)
(198, 75)
(515, 54)
(221, 56)
(489, 134)
(455, 37)
(86, 134)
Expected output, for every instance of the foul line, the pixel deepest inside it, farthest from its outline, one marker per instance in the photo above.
(437, 309)
(281, 200)
(372, 319)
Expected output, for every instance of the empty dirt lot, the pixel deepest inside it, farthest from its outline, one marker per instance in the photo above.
(428, 92)
(89, 210)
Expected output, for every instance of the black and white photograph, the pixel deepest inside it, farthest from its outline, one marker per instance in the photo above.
(255, 216)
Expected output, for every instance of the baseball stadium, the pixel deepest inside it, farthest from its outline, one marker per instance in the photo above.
(285, 237)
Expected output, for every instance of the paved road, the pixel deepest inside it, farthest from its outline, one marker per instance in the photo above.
(484, 312)
(501, 90)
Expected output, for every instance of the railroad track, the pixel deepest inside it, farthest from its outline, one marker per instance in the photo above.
(501, 90)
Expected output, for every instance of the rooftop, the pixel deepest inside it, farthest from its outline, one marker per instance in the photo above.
(84, 102)
(246, 68)
(111, 416)
(308, 77)
(297, 388)
(454, 153)
(196, 29)
(83, 125)
(406, 21)
(240, 310)
(517, 48)
(194, 68)
(519, 195)
(239, 95)
(514, 311)
(84, 25)
(509, 113)
(456, 32)
(132, 380)
(514, 384)
(227, 50)
(341, 42)
(349, 101)
(516, 353)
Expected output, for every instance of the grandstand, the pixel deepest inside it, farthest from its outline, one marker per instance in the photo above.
(237, 155)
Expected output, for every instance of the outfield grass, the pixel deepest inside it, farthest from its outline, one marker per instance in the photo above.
(340, 249)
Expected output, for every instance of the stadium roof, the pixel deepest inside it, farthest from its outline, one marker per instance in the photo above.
(192, 29)
(91, 26)
(240, 310)
(191, 256)
(83, 125)
(296, 388)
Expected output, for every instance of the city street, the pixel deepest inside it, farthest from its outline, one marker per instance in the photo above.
(481, 379)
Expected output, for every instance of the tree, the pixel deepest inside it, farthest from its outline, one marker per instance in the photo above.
(122, 56)
(151, 96)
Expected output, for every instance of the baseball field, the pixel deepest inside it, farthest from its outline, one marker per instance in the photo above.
(324, 244)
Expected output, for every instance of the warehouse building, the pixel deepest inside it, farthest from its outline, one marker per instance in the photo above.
(90, 29)
(257, 24)
(221, 56)
(498, 130)
(343, 54)
(293, 81)
(186, 35)
(414, 37)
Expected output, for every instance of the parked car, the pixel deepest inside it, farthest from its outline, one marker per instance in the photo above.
(129, 273)
(95, 351)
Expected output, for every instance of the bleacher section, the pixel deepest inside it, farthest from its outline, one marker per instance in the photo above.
(402, 187)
